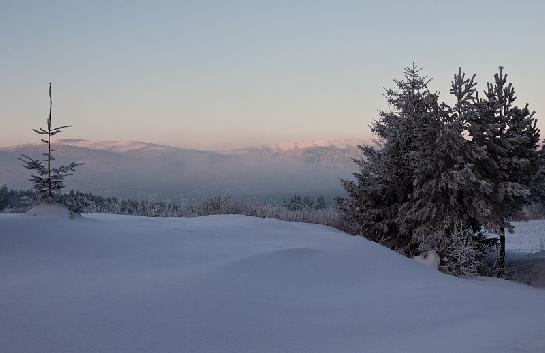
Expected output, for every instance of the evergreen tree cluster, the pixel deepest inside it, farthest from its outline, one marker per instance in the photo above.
(445, 171)
(298, 203)
(18, 201)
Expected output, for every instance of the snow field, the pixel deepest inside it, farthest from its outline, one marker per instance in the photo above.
(105, 283)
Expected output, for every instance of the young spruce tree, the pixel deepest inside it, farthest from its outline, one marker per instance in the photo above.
(384, 182)
(48, 180)
(443, 182)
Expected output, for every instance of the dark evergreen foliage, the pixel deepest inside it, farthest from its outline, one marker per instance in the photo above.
(16, 200)
(298, 203)
(509, 138)
(442, 172)
(384, 182)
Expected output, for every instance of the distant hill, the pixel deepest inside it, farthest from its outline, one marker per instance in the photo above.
(146, 170)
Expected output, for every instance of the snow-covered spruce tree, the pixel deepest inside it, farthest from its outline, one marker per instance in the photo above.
(436, 142)
(441, 213)
(426, 181)
(48, 180)
(509, 138)
(450, 198)
(385, 179)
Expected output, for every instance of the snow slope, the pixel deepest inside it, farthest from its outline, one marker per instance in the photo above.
(105, 283)
(528, 237)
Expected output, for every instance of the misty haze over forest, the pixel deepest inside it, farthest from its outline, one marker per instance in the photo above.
(149, 171)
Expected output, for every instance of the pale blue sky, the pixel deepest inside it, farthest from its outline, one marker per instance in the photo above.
(211, 74)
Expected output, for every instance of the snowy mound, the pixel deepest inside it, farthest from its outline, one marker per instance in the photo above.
(49, 210)
(104, 283)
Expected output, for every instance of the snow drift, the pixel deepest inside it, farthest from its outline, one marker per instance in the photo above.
(104, 283)
(49, 210)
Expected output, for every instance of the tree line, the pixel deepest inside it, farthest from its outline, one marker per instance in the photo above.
(20, 201)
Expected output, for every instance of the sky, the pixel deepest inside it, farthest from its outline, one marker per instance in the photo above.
(227, 74)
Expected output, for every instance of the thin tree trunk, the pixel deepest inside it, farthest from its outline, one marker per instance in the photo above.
(501, 257)
(50, 193)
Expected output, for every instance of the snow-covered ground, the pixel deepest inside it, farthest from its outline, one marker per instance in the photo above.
(105, 283)
(528, 237)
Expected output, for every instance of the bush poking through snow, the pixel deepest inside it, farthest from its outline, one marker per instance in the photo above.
(429, 258)
(460, 251)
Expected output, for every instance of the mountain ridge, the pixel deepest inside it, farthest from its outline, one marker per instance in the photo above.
(131, 145)
(137, 169)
